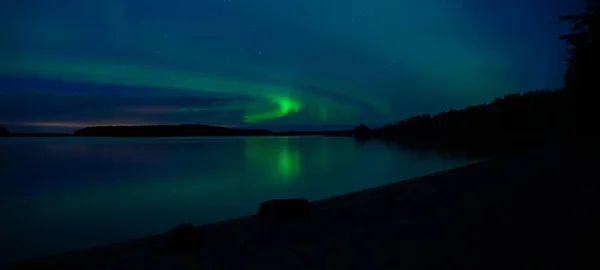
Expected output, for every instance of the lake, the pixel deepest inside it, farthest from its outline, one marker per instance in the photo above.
(61, 194)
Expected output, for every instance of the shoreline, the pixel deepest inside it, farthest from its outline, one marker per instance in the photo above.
(489, 214)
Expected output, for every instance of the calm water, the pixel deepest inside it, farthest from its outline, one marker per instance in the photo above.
(60, 194)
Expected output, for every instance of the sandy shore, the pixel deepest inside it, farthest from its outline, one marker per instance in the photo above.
(503, 213)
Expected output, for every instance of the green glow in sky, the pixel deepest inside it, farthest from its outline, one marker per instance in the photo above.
(292, 63)
(284, 106)
(271, 100)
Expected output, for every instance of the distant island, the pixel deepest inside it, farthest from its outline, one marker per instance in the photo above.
(188, 130)
(191, 130)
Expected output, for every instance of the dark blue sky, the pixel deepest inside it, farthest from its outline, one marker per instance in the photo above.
(309, 63)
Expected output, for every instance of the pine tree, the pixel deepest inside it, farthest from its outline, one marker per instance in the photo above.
(582, 71)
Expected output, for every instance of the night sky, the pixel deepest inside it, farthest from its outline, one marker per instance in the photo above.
(268, 63)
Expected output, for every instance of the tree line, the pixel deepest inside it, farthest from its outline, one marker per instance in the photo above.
(508, 123)
(514, 121)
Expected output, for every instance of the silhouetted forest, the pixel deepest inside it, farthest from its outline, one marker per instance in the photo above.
(167, 131)
(514, 121)
(191, 130)
(505, 124)
(336, 133)
(583, 59)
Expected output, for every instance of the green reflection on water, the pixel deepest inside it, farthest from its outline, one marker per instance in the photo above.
(280, 160)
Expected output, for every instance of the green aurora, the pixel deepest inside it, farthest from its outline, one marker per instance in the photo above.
(273, 100)
(278, 63)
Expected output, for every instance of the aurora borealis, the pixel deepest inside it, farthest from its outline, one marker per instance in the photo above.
(70, 63)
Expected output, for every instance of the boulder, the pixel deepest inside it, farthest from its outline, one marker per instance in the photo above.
(4, 132)
(183, 237)
(284, 210)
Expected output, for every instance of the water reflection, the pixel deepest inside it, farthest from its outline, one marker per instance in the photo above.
(279, 159)
(61, 194)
